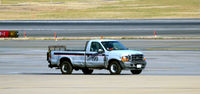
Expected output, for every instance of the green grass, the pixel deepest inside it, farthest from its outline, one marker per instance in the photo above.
(98, 9)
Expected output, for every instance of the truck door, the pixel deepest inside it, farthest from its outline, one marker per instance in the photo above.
(93, 57)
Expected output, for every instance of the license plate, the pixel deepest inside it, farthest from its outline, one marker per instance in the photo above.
(138, 66)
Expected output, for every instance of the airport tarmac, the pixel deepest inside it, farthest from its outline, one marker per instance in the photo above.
(115, 27)
(164, 57)
(172, 68)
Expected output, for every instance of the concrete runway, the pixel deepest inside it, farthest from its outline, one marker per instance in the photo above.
(164, 57)
(93, 28)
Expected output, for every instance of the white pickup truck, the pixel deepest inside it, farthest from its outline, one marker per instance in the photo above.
(98, 54)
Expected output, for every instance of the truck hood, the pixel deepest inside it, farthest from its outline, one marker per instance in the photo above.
(124, 52)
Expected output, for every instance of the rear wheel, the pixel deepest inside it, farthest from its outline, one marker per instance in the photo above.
(136, 71)
(66, 68)
(114, 68)
(87, 71)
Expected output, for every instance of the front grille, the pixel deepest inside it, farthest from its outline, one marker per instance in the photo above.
(137, 57)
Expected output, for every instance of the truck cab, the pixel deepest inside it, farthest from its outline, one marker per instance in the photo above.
(98, 54)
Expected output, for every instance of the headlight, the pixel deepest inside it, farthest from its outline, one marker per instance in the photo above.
(125, 58)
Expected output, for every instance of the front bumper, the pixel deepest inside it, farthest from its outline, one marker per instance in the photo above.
(131, 65)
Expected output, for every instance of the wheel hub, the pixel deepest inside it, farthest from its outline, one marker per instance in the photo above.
(113, 68)
(64, 68)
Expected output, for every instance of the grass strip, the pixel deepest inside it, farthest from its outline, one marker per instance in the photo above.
(97, 9)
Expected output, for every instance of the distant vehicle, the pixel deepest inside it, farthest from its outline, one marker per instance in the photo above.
(98, 54)
(6, 34)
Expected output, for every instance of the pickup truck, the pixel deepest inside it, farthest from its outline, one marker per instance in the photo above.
(98, 54)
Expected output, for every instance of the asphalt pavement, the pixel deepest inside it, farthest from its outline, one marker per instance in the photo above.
(95, 28)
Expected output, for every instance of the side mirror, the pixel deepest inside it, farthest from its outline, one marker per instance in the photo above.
(100, 51)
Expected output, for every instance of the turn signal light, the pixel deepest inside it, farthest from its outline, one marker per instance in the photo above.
(124, 59)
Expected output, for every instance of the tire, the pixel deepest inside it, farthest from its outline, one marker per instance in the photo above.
(136, 71)
(87, 71)
(66, 67)
(114, 68)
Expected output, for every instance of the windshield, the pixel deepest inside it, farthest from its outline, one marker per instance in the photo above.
(113, 45)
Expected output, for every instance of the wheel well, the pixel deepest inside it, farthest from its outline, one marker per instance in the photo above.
(65, 59)
(114, 60)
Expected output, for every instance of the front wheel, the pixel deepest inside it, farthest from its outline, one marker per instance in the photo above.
(87, 71)
(114, 68)
(136, 71)
(66, 68)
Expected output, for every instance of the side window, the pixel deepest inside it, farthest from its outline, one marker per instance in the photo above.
(95, 46)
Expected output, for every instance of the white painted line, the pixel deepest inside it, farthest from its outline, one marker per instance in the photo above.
(14, 72)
